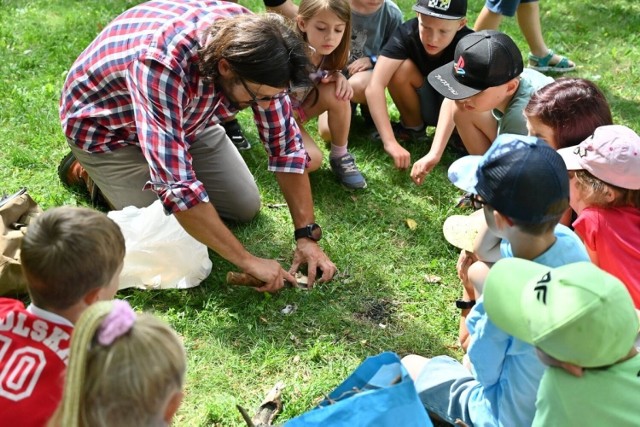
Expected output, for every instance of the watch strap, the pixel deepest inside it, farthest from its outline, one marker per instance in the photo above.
(465, 305)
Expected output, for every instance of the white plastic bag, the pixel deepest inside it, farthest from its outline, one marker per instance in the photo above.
(160, 253)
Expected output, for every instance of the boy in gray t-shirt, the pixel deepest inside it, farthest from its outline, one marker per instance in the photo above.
(372, 24)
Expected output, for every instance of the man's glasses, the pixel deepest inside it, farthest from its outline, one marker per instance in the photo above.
(255, 99)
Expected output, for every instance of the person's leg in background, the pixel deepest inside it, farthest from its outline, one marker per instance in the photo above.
(528, 15)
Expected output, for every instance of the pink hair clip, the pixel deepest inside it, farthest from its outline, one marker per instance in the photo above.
(117, 323)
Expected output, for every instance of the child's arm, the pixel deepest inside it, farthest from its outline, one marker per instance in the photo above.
(360, 64)
(444, 129)
(486, 245)
(487, 347)
(377, 101)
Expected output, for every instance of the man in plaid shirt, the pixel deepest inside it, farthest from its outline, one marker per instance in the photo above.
(141, 109)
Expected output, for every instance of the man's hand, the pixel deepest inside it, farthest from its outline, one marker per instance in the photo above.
(271, 273)
(422, 167)
(360, 64)
(401, 157)
(308, 252)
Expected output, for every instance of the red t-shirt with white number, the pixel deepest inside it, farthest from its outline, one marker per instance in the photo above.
(34, 349)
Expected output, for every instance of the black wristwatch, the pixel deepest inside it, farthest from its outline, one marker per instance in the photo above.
(311, 231)
(465, 305)
(373, 59)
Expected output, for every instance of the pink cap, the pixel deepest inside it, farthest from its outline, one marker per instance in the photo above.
(611, 154)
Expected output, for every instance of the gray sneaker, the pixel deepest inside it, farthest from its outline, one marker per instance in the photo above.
(347, 172)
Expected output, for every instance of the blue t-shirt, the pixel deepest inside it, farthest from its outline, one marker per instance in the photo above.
(370, 32)
(507, 369)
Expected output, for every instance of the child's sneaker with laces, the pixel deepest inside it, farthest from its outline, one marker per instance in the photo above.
(347, 172)
(404, 134)
(235, 134)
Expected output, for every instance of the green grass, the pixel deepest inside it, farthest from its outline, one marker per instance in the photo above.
(239, 344)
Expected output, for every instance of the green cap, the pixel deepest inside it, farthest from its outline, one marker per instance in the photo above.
(576, 313)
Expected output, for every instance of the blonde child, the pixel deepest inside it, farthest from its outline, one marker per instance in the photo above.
(604, 172)
(416, 48)
(124, 370)
(71, 258)
(326, 26)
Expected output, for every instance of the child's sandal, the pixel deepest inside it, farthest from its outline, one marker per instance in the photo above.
(542, 63)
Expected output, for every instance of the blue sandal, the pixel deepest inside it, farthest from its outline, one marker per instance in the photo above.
(542, 63)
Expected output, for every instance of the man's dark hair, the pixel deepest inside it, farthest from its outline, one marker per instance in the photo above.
(263, 49)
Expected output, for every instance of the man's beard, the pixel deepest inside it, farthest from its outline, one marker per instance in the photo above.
(226, 87)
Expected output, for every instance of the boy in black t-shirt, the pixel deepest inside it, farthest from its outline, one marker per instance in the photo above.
(417, 47)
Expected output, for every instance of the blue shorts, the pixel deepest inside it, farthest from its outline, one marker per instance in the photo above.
(505, 7)
(445, 388)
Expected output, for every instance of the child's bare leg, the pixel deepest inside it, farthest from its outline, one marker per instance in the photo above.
(402, 88)
(476, 129)
(359, 82)
(323, 127)
(338, 113)
(487, 20)
(314, 152)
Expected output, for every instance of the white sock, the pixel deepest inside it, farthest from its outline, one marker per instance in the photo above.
(338, 151)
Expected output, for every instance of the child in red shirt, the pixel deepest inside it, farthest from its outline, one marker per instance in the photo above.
(604, 172)
(71, 258)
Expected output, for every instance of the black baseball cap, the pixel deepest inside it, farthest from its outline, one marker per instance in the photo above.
(443, 9)
(482, 60)
(520, 176)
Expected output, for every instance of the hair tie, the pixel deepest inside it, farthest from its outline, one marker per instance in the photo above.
(117, 323)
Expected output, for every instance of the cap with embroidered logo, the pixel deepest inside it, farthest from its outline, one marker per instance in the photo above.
(575, 313)
(611, 154)
(519, 176)
(443, 9)
(482, 60)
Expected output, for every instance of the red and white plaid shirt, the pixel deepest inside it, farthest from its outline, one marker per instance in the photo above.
(138, 83)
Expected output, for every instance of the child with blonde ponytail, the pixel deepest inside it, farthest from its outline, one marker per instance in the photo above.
(125, 369)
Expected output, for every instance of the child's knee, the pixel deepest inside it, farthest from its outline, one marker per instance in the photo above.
(407, 75)
(414, 364)
(477, 274)
(315, 158)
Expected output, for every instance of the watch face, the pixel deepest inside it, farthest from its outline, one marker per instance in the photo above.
(315, 232)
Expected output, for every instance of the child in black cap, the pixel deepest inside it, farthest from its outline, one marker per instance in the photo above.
(417, 47)
(486, 90)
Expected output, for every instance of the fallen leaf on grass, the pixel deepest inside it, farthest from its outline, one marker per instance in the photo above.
(431, 278)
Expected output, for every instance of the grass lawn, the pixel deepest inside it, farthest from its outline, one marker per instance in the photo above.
(238, 341)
